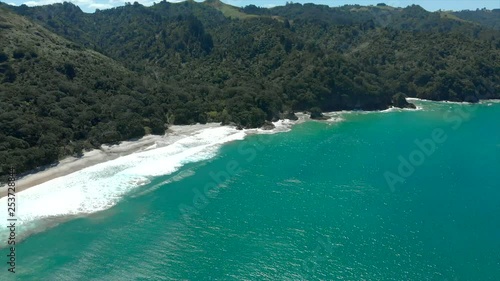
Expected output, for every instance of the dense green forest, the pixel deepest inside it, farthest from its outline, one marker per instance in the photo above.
(484, 17)
(72, 80)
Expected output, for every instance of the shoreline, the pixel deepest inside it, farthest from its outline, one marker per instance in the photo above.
(72, 164)
(101, 177)
(107, 153)
(481, 101)
(103, 154)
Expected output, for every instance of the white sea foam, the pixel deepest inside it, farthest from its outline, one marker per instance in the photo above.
(424, 100)
(284, 125)
(490, 102)
(445, 101)
(101, 186)
(337, 115)
(280, 126)
(410, 99)
(397, 109)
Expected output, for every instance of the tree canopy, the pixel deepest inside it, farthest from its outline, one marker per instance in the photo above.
(72, 81)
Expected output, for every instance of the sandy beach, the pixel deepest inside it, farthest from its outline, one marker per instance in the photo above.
(106, 153)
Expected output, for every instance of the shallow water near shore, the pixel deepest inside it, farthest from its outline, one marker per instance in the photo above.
(326, 200)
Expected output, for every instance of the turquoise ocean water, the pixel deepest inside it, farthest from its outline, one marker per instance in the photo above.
(399, 195)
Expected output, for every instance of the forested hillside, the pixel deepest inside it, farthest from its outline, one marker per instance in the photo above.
(489, 18)
(72, 80)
